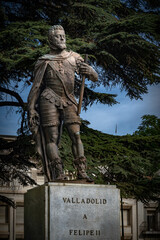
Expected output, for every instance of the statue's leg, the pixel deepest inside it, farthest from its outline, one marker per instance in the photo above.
(77, 145)
(54, 161)
(50, 120)
(78, 151)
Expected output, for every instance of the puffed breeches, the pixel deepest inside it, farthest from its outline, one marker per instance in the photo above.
(52, 115)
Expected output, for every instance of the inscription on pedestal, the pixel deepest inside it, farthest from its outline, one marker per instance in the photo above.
(88, 212)
(84, 201)
(63, 211)
(87, 200)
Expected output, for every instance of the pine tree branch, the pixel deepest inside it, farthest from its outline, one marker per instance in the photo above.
(20, 103)
(10, 103)
(14, 94)
(7, 201)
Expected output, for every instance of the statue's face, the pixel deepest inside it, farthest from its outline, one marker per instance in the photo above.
(58, 39)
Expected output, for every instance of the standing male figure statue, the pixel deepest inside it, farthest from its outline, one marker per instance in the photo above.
(51, 101)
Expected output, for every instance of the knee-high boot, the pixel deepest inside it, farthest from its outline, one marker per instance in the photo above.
(81, 166)
(56, 169)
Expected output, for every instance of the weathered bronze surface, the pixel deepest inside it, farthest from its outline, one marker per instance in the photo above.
(51, 102)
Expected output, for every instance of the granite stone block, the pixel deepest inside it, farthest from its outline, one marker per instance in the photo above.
(64, 211)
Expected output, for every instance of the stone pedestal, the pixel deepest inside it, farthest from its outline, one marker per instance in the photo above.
(66, 211)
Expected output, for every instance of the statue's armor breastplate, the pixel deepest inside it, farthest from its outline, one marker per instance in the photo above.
(67, 73)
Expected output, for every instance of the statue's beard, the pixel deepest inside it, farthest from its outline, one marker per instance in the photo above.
(57, 46)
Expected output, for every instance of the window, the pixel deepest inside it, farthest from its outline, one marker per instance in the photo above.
(126, 217)
(20, 222)
(20, 215)
(4, 214)
(151, 220)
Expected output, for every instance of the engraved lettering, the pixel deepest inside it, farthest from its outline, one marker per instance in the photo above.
(77, 200)
(92, 201)
(84, 232)
(91, 232)
(97, 202)
(65, 200)
(75, 232)
(84, 217)
(104, 201)
(98, 232)
(84, 200)
(87, 232)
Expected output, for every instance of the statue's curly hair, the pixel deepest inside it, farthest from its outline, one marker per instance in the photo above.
(51, 32)
(53, 28)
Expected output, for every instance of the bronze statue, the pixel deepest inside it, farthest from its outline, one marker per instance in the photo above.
(51, 102)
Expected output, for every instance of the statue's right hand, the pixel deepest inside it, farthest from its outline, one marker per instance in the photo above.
(33, 120)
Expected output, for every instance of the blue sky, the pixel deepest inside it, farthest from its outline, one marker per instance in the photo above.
(127, 114)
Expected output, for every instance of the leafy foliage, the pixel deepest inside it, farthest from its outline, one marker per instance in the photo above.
(120, 39)
(15, 159)
(150, 126)
(130, 162)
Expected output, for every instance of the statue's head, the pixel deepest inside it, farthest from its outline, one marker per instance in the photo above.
(56, 37)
